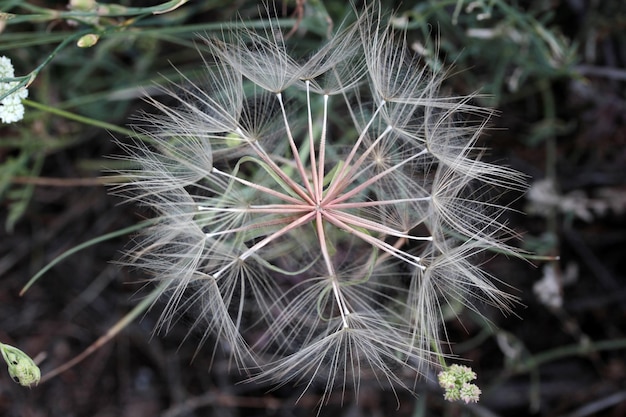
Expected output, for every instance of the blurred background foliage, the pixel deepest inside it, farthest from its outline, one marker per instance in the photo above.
(553, 69)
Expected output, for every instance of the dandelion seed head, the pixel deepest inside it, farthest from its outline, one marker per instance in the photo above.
(314, 215)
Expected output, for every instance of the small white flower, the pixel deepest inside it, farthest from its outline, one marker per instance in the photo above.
(548, 289)
(455, 380)
(6, 68)
(11, 107)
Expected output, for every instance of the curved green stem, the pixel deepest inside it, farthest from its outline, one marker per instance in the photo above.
(82, 246)
(79, 118)
(139, 309)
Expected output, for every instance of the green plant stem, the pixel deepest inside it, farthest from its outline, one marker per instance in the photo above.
(82, 246)
(139, 309)
(549, 109)
(26, 80)
(219, 26)
(578, 349)
(78, 118)
(43, 14)
(440, 356)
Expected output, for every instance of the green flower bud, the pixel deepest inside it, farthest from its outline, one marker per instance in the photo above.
(88, 40)
(22, 368)
(83, 5)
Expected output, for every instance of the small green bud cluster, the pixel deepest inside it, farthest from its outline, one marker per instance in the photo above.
(455, 380)
(22, 368)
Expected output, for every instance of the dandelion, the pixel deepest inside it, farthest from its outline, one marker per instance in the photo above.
(11, 107)
(314, 215)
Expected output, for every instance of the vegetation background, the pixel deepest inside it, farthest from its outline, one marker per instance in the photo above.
(555, 70)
